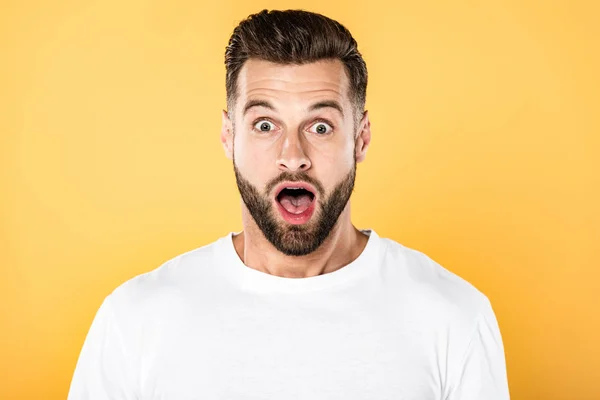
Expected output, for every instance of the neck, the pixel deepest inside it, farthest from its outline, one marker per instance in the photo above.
(343, 245)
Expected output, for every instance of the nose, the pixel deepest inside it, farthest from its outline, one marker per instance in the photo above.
(293, 156)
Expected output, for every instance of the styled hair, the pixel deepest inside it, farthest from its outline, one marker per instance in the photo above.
(294, 37)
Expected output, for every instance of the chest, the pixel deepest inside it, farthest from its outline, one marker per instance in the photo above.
(290, 352)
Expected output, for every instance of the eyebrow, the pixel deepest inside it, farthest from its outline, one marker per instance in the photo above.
(317, 106)
(327, 104)
(258, 103)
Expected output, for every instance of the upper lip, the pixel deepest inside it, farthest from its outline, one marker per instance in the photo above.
(295, 185)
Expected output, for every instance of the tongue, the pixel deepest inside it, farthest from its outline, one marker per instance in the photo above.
(295, 204)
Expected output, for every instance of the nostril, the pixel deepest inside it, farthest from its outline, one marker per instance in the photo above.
(293, 158)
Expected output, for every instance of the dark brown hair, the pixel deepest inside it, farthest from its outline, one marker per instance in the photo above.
(294, 37)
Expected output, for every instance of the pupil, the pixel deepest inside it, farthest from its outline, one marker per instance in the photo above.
(264, 126)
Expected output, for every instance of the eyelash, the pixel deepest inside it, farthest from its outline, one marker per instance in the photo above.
(320, 120)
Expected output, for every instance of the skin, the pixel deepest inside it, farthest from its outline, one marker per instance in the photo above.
(294, 146)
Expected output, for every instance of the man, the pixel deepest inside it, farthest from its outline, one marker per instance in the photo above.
(300, 304)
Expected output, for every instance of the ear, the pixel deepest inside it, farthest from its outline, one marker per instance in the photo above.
(363, 137)
(227, 134)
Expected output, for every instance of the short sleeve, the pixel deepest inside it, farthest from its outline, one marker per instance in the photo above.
(482, 372)
(103, 369)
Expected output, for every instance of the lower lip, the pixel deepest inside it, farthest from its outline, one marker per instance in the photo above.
(297, 219)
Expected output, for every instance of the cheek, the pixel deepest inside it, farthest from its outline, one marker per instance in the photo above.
(330, 171)
(254, 162)
(336, 161)
(337, 153)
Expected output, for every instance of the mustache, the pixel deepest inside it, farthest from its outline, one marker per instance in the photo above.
(295, 177)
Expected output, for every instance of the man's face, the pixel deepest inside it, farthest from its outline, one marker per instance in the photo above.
(293, 150)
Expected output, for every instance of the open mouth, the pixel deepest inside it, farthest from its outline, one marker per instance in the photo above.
(295, 200)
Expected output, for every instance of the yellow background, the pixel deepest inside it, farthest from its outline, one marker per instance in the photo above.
(485, 155)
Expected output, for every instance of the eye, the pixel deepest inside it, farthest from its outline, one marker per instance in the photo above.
(264, 126)
(321, 128)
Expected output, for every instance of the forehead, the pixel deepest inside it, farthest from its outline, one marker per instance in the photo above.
(324, 78)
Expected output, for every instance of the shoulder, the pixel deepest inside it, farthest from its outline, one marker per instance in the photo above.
(431, 287)
(167, 283)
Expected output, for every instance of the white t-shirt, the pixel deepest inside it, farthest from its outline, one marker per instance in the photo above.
(393, 324)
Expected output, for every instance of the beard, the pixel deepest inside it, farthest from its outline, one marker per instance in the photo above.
(289, 239)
